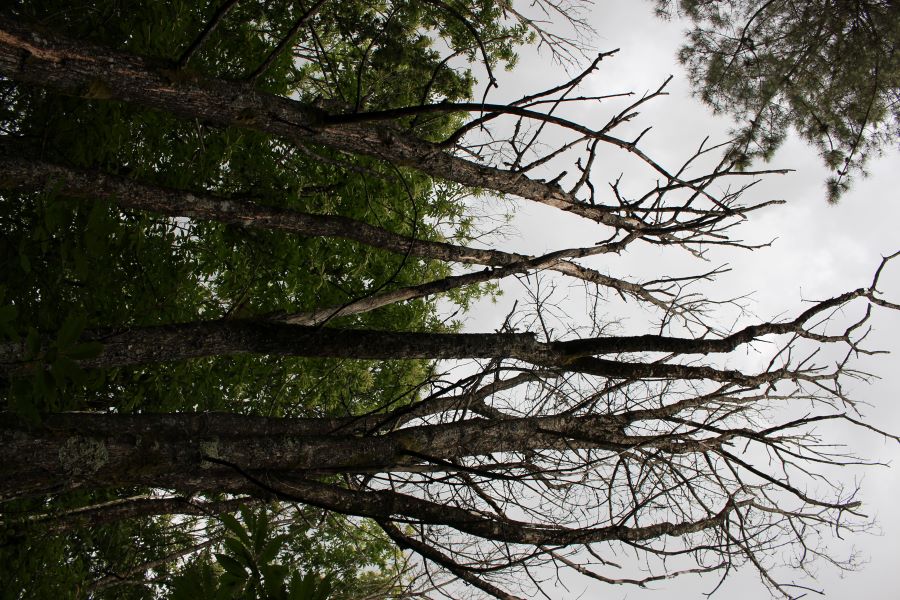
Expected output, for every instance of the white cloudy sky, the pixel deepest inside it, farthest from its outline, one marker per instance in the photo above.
(820, 251)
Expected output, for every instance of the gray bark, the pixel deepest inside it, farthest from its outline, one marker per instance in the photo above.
(192, 452)
(78, 68)
(204, 452)
(177, 342)
(19, 172)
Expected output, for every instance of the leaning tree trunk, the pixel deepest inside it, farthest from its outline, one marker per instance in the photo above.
(90, 71)
(214, 452)
(164, 343)
(283, 458)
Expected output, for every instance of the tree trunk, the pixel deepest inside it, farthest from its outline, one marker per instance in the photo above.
(18, 172)
(89, 71)
(165, 343)
(222, 453)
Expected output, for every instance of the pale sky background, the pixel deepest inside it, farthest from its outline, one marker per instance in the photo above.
(820, 251)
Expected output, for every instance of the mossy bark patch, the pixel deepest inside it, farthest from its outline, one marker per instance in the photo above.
(210, 449)
(80, 456)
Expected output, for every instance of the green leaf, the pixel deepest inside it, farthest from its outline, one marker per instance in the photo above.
(44, 388)
(24, 262)
(70, 370)
(71, 329)
(240, 552)
(8, 315)
(82, 266)
(232, 525)
(56, 372)
(310, 587)
(32, 344)
(232, 566)
(323, 590)
(302, 588)
(55, 213)
(50, 355)
(230, 586)
(97, 231)
(275, 577)
(198, 581)
(23, 406)
(271, 548)
(260, 532)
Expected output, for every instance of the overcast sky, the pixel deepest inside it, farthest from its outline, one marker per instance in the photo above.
(820, 251)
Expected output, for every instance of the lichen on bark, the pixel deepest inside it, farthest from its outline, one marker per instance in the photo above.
(80, 456)
(210, 449)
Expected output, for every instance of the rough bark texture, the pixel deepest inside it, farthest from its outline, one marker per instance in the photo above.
(89, 71)
(203, 452)
(178, 451)
(166, 343)
(633, 453)
(19, 172)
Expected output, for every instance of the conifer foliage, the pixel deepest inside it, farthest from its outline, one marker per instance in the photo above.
(827, 69)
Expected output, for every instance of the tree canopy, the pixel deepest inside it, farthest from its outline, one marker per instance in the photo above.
(828, 69)
(224, 369)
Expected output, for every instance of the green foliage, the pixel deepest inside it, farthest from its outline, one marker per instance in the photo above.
(75, 264)
(119, 269)
(36, 563)
(247, 569)
(266, 557)
(827, 68)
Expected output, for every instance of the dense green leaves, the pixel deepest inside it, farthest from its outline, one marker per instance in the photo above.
(37, 563)
(82, 256)
(262, 558)
(247, 567)
(72, 264)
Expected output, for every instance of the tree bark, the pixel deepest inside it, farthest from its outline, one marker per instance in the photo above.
(165, 343)
(199, 452)
(204, 452)
(79, 183)
(18, 172)
(81, 69)
(129, 508)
